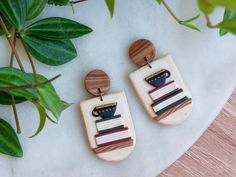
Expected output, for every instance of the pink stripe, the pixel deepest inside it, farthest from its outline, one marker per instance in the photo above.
(157, 88)
(114, 142)
(110, 132)
(166, 95)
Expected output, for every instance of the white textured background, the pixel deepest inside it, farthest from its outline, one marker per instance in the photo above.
(206, 61)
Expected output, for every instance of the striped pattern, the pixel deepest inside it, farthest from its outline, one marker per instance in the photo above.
(163, 91)
(173, 109)
(9, 143)
(57, 28)
(112, 147)
(113, 117)
(109, 124)
(214, 154)
(34, 8)
(114, 142)
(97, 79)
(140, 50)
(168, 102)
(112, 136)
(61, 51)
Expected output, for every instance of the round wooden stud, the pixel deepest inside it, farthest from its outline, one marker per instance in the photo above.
(97, 82)
(142, 52)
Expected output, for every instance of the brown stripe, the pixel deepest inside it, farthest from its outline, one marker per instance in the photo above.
(174, 109)
(113, 146)
(139, 47)
(114, 142)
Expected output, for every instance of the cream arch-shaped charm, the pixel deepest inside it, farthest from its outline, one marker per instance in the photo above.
(107, 119)
(159, 85)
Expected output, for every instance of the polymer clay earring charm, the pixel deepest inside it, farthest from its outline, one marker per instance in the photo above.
(159, 85)
(107, 119)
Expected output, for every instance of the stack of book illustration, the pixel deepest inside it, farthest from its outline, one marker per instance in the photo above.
(112, 134)
(167, 97)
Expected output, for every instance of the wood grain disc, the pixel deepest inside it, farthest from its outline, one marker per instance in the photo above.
(95, 80)
(142, 51)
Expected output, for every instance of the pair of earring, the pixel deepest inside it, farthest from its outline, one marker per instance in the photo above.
(160, 88)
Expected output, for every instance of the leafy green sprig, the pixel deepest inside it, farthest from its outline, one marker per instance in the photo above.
(186, 23)
(229, 21)
(206, 6)
(47, 40)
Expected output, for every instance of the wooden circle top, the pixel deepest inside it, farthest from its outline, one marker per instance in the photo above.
(142, 51)
(97, 80)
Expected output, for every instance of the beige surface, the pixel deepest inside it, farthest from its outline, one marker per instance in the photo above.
(122, 108)
(142, 88)
(214, 154)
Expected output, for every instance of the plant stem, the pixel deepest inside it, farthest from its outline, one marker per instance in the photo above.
(34, 86)
(30, 60)
(75, 2)
(8, 36)
(12, 54)
(209, 24)
(13, 101)
(170, 11)
(15, 114)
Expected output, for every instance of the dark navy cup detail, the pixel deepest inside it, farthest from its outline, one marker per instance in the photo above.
(159, 78)
(105, 111)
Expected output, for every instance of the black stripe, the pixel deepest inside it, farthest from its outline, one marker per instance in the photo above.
(167, 97)
(111, 129)
(113, 117)
(172, 105)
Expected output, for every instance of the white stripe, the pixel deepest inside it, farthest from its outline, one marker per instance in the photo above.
(109, 124)
(169, 101)
(112, 137)
(163, 91)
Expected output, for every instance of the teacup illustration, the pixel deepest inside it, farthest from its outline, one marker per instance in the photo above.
(159, 78)
(105, 111)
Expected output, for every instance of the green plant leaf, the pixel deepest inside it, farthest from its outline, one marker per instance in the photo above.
(49, 98)
(42, 120)
(65, 105)
(57, 28)
(14, 77)
(111, 6)
(9, 143)
(59, 2)
(205, 6)
(51, 52)
(5, 99)
(159, 1)
(14, 11)
(229, 4)
(228, 26)
(191, 19)
(34, 8)
(227, 16)
(191, 26)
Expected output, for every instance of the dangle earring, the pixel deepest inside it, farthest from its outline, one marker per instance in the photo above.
(159, 85)
(107, 119)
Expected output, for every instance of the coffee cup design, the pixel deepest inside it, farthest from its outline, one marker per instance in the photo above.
(159, 78)
(105, 111)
